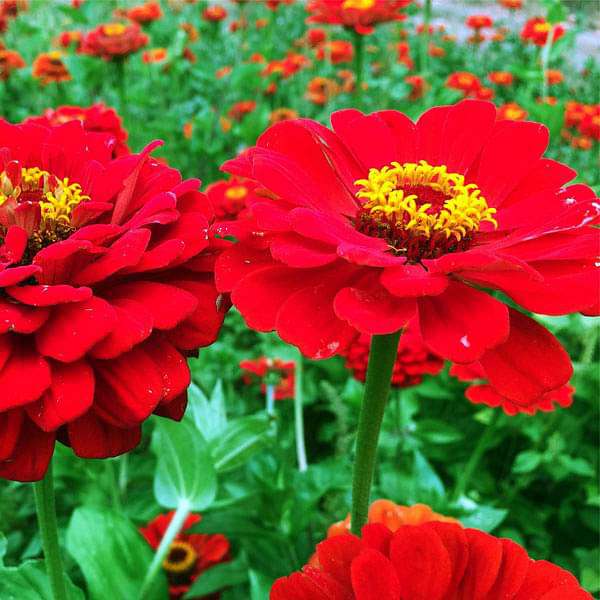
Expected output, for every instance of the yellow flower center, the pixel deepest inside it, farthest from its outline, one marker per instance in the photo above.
(422, 211)
(114, 29)
(358, 4)
(236, 192)
(541, 27)
(181, 558)
(57, 198)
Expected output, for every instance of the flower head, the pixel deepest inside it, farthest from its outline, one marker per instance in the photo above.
(282, 114)
(321, 89)
(214, 13)
(511, 111)
(271, 371)
(105, 287)
(229, 198)
(9, 61)
(145, 13)
(114, 40)
(190, 554)
(336, 51)
(503, 78)
(431, 561)
(69, 39)
(479, 21)
(49, 67)
(361, 229)
(464, 81)
(536, 31)
(155, 56)
(240, 109)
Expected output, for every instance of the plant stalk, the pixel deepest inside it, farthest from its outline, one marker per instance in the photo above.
(299, 416)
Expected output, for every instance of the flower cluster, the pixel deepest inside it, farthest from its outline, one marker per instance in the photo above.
(277, 372)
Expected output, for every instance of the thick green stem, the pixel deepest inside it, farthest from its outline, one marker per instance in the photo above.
(424, 42)
(46, 512)
(299, 417)
(183, 510)
(383, 353)
(480, 449)
(359, 54)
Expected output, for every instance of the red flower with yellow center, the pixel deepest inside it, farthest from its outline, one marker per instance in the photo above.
(214, 13)
(105, 287)
(512, 112)
(190, 554)
(145, 13)
(413, 359)
(229, 197)
(464, 81)
(537, 29)
(277, 372)
(97, 118)
(9, 61)
(503, 78)
(360, 15)
(431, 561)
(363, 228)
(336, 52)
(49, 67)
(114, 40)
(154, 56)
(479, 21)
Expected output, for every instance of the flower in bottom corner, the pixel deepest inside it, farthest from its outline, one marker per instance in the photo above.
(106, 286)
(190, 554)
(430, 561)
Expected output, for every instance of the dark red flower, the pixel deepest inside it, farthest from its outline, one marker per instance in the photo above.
(363, 228)
(114, 40)
(536, 30)
(9, 61)
(229, 197)
(360, 15)
(418, 85)
(49, 67)
(431, 561)
(413, 361)
(98, 118)
(315, 37)
(105, 287)
(190, 554)
(275, 371)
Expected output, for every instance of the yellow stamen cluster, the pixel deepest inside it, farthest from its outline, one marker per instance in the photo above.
(236, 192)
(461, 213)
(57, 198)
(181, 558)
(358, 4)
(114, 29)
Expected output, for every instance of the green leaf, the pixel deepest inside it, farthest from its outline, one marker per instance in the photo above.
(242, 439)
(185, 468)
(112, 555)
(3, 548)
(208, 415)
(578, 466)
(486, 518)
(260, 585)
(438, 432)
(426, 479)
(218, 577)
(527, 461)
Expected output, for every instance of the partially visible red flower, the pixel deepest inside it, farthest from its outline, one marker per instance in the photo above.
(590, 124)
(282, 114)
(154, 55)
(240, 109)
(320, 90)
(418, 86)
(413, 360)
(107, 286)
(431, 561)
(96, 118)
(238, 24)
(511, 4)
(336, 51)
(483, 393)
(9, 61)
(287, 66)
(229, 197)
(271, 371)
(145, 13)
(404, 55)
(214, 13)
(536, 30)
(49, 67)
(11, 8)
(479, 21)
(464, 81)
(69, 39)
(189, 55)
(512, 112)
(275, 4)
(554, 76)
(483, 93)
(114, 40)
(315, 37)
(190, 554)
(360, 15)
(503, 78)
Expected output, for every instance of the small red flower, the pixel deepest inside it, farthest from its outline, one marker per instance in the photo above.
(479, 21)
(9, 61)
(554, 76)
(360, 15)
(49, 67)
(503, 78)
(412, 362)
(240, 109)
(418, 85)
(404, 55)
(275, 371)
(321, 89)
(114, 40)
(511, 4)
(69, 39)
(483, 393)
(214, 13)
(106, 286)
(512, 112)
(145, 13)
(154, 56)
(536, 30)
(464, 81)
(431, 561)
(363, 228)
(190, 554)
(315, 37)
(336, 52)
(97, 118)
(229, 198)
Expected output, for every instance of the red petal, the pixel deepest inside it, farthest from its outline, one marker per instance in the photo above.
(336, 555)
(374, 578)
(485, 558)
(48, 295)
(544, 577)
(21, 319)
(11, 422)
(514, 567)
(411, 281)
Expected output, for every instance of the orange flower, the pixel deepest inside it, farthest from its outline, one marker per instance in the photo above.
(511, 112)
(321, 89)
(145, 13)
(49, 67)
(282, 114)
(225, 124)
(348, 80)
(223, 72)
(69, 38)
(436, 51)
(581, 142)
(261, 23)
(554, 76)
(501, 77)
(155, 55)
(114, 40)
(188, 129)
(476, 38)
(241, 109)
(336, 51)
(550, 100)
(9, 61)
(270, 89)
(192, 32)
(418, 86)
(511, 4)
(498, 36)
(214, 13)
(479, 21)
(464, 81)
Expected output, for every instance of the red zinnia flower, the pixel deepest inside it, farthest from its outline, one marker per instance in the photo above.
(536, 30)
(479, 21)
(190, 554)
(9, 61)
(511, 4)
(321, 89)
(412, 361)
(229, 197)
(483, 393)
(418, 85)
(315, 37)
(363, 228)
(431, 561)
(154, 55)
(97, 117)
(501, 77)
(336, 51)
(49, 67)
(214, 13)
(554, 76)
(282, 372)
(68, 39)
(240, 109)
(511, 111)
(360, 15)
(114, 40)
(464, 81)
(145, 13)
(106, 277)
(590, 123)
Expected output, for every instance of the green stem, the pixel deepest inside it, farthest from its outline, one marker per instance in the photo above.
(384, 349)
(545, 59)
(299, 417)
(46, 512)
(475, 458)
(424, 42)
(183, 510)
(589, 347)
(359, 54)
(270, 399)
